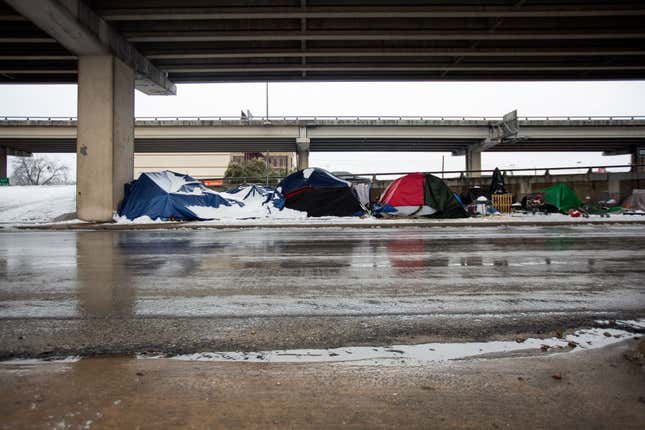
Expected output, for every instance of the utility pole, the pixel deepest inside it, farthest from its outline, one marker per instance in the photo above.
(267, 100)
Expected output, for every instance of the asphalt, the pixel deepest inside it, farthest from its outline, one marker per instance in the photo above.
(121, 292)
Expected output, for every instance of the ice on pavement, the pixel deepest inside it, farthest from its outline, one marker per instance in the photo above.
(421, 354)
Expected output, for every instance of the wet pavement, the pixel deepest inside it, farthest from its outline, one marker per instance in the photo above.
(115, 292)
(593, 390)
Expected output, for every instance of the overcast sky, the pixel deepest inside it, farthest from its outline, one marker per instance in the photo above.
(371, 98)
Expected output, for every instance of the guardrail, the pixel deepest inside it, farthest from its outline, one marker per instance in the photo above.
(545, 171)
(344, 118)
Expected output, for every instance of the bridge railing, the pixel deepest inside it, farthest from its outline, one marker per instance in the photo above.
(260, 119)
(447, 174)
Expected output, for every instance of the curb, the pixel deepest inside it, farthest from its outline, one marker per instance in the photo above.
(419, 224)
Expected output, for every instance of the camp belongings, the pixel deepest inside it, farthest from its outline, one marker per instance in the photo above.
(168, 195)
(497, 183)
(635, 203)
(419, 194)
(556, 198)
(319, 193)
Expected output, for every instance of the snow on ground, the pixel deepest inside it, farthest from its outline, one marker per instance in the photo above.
(145, 219)
(422, 354)
(396, 355)
(68, 359)
(36, 204)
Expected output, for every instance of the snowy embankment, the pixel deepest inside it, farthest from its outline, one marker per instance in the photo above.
(36, 204)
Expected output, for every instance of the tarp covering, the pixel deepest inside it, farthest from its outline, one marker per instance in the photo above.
(363, 191)
(636, 201)
(251, 192)
(497, 183)
(319, 193)
(561, 196)
(419, 194)
(168, 195)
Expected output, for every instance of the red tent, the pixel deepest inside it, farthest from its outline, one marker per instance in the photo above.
(420, 194)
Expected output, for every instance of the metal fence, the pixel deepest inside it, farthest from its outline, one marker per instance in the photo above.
(374, 176)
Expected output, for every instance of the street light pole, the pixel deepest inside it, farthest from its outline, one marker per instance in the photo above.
(267, 99)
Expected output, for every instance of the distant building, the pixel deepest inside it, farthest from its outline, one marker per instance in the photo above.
(206, 164)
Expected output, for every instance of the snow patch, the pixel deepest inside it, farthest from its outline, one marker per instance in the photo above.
(307, 172)
(145, 219)
(36, 203)
(418, 355)
(68, 359)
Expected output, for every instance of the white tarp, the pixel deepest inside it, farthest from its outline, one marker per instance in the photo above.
(636, 201)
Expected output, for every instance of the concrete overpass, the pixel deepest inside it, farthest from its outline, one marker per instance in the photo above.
(111, 47)
(462, 136)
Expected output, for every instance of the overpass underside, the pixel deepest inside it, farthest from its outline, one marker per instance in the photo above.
(314, 40)
(457, 146)
(111, 47)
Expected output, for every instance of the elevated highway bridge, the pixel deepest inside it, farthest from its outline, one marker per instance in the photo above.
(613, 135)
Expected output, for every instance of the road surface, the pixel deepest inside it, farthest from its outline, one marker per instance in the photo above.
(119, 292)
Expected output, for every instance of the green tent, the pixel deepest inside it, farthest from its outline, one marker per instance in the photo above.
(436, 194)
(562, 197)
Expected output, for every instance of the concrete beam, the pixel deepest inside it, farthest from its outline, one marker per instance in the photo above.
(172, 54)
(83, 32)
(379, 67)
(17, 152)
(201, 36)
(638, 159)
(105, 142)
(617, 152)
(3, 162)
(372, 12)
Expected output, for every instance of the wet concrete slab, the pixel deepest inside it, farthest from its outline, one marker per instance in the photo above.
(113, 292)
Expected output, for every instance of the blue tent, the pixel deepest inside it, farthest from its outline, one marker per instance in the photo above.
(167, 195)
(319, 193)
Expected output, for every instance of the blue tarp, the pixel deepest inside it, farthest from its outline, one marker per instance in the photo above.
(167, 195)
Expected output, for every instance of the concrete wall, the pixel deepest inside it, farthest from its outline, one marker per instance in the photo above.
(197, 165)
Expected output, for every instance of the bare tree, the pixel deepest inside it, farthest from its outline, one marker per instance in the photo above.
(38, 171)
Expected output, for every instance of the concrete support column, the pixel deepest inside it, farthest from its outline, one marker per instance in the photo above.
(105, 135)
(3, 162)
(302, 149)
(638, 157)
(473, 162)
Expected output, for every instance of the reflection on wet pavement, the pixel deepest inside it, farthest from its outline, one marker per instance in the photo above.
(126, 274)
